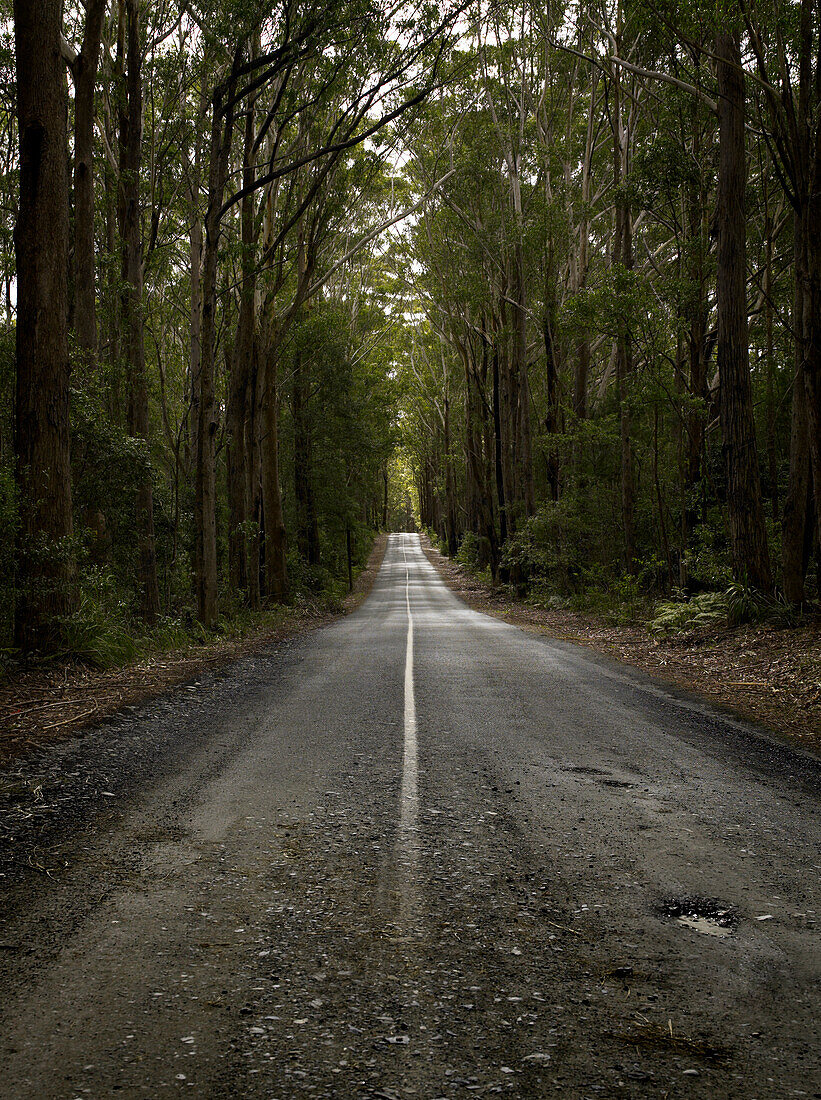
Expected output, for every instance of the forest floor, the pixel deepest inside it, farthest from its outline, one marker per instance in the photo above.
(50, 703)
(766, 674)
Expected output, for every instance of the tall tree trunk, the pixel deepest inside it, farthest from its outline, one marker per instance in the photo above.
(85, 79)
(811, 325)
(498, 464)
(769, 356)
(238, 387)
(276, 573)
(132, 306)
(45, 564)
(797, 505)
(195, 257)
(623, 262)
(748, 534)
(253, 471)
(552, 421)
(307, 526)
(697, 320)
(520, 372)
(450, 488)
(582, 363)
(205, 502)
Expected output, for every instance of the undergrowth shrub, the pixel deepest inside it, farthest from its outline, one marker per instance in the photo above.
(736, 605)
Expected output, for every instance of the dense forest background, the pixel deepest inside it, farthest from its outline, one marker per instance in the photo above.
(545, 280)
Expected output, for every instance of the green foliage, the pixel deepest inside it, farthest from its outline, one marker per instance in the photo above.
(707, 610)
(734, 606)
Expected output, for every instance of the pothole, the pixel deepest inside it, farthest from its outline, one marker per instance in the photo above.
(619, 784)
(708, 916)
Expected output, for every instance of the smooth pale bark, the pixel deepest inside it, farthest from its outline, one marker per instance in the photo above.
(132, 308)
(46, 570)
(84, 72)
(748, 534)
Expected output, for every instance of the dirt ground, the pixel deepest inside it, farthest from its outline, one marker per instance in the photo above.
(770, 675)
(48, 704)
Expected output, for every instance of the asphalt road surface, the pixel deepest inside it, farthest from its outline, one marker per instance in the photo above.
(417, 853)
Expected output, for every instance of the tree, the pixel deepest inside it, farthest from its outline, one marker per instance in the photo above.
(748, 533)
(46, 562)
(129, 210)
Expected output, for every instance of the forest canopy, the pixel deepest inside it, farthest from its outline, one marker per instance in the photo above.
(544, 280)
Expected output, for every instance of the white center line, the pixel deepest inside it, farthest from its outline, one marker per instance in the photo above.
(409, 799)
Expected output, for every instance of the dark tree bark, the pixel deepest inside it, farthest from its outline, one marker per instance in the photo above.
(46, 570)
(276, 573)
(84, 72)
(239, 381)
(450, 488)
(623, 262)
(498, 465)
(748, 534)
(307, 526)
(205, 477)
(697, 321)
(253, 472)
(520, 389)
(553, 415)
(132, 306)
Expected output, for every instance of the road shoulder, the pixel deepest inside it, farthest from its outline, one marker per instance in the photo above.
(770, 676)
(46, 705)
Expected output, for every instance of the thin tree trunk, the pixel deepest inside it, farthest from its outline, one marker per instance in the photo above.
(85, 79)
(498, 464)
(276, 573)
(450, 488)
(748, 534)
(799, 496)
(45, 564)
(253, 472)
(307, 525)
(132, 306)
(623, 262)
(195, 309)
(239, 380)
(205, 516)
(769, 357)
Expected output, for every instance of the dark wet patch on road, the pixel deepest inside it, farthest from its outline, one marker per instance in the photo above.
(708, 916)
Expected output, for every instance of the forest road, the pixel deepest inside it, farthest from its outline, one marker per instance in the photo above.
(416, 853)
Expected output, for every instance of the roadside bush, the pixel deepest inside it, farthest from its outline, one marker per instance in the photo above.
(736, 605)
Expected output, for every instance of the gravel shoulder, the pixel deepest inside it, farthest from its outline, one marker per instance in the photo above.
(49, 704)
(767, 675)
